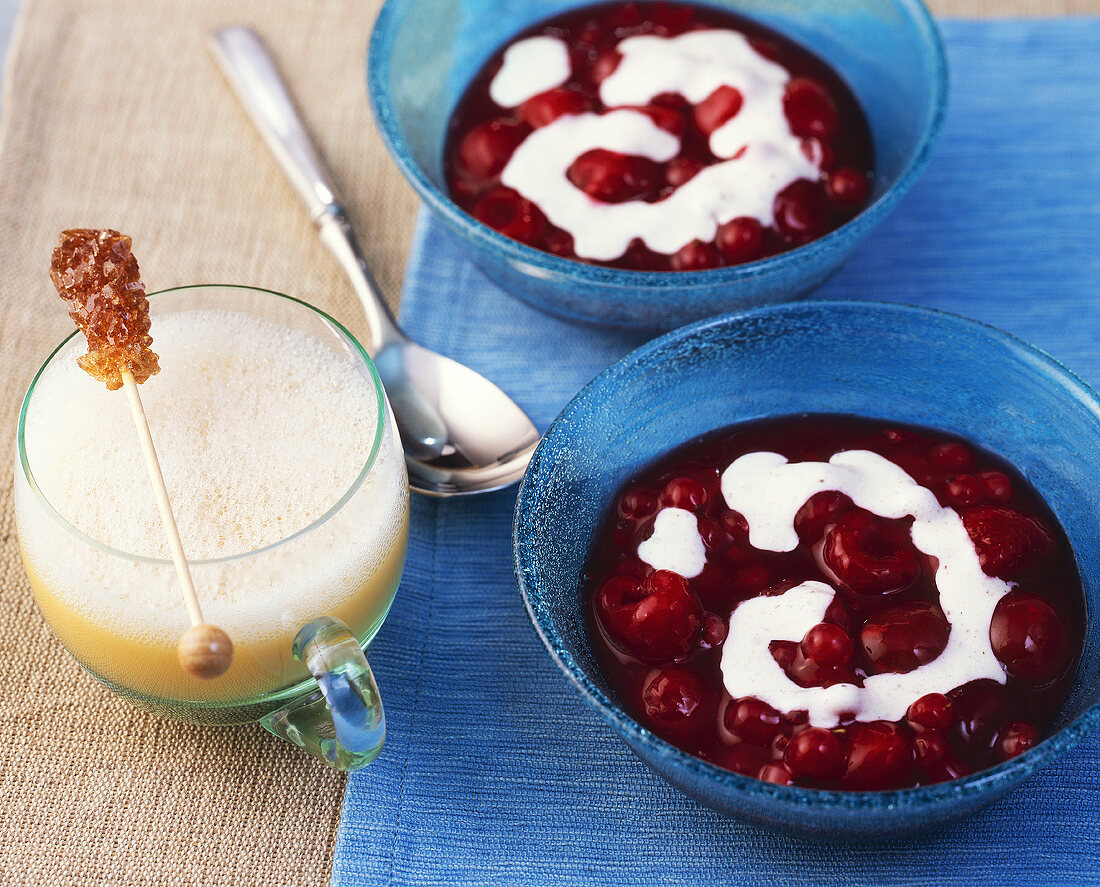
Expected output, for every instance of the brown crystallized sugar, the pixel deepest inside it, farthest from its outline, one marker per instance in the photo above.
(95, 272)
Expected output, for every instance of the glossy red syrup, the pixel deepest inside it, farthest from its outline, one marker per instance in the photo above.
(819, 108)
(658, 636)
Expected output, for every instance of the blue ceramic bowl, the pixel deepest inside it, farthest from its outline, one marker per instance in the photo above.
(424, 52)
(888, 362)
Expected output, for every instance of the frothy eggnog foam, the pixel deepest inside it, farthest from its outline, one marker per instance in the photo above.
(261, 430)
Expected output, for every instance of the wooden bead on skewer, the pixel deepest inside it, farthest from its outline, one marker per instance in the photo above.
(205, 651)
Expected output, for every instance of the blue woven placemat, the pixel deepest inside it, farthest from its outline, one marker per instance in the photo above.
(495, 771)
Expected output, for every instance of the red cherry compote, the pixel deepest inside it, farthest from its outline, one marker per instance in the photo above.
(817, 107)
(659, 636)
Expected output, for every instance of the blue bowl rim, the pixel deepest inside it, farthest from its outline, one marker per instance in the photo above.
(514, 253)
(1001, 776)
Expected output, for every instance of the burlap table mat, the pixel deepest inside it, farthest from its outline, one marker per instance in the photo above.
(114, 115)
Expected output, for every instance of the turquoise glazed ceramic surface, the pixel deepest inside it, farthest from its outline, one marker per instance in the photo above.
(882, 361)
(424, 52)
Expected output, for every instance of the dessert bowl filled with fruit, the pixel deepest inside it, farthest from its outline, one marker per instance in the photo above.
(649, 163)
(825, 566)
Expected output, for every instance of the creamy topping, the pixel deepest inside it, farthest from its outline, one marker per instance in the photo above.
(694, 65)
(768, 491)
(675, 544)
(749, 669)
(530, 66)
(761, 155)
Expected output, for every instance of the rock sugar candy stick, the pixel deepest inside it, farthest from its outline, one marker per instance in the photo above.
(97, 275)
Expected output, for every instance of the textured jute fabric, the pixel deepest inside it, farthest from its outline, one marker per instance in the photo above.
(115, 115)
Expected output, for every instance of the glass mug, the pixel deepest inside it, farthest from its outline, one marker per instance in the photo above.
(300, 610)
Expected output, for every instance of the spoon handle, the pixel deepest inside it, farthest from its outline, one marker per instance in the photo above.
(252, 74)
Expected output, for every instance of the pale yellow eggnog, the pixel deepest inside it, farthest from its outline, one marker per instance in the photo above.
(286, 477)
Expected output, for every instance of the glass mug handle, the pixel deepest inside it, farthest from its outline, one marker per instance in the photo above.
(342, 721)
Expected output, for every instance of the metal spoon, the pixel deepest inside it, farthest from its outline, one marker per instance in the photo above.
(461, 433)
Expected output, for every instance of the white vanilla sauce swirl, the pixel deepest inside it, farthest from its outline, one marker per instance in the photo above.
(530, 67)
(768, 491)
(761, 155)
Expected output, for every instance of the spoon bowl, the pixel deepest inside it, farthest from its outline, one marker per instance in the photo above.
(461, 433)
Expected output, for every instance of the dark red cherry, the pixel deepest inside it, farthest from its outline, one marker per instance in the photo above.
(670, 100)
(717, 108)
(965, 490)
(546, 107)
(879, 757)
(591, 36)
(674, 697)
(605, 66)
(669, 119)
(684, 492)
(868, 556)
(931, 748)
(952, 456)
(710, 479)
(681, 170)
(1009, 543)
(560, 243)
(775, 773)
(1016, 738)
(931, 712)
(837, 613)
(1029, 637)
(820, 510)
(905, 636)
(670, 19)
(801, 212)
(998, 487)
(819, 153)
(656, 619)
(714, 632)
(741, 758)
(827, 644)
(511, 214)
(642, 258)
(847, 187)
(952, 767)
(765, 48)
(734, 523)
(740, 240)
(752, 579)
(785, 653)
(753, 721)
(695, 256)
(807, 672)
(624, 17)
(815, 753)
(614, 178)
(486, 148)
(637, 503)
(980, 709)
(897, 436)
(715, 537)
(810, 109)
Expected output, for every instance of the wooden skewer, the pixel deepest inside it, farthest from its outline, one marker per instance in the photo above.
(204, 650)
